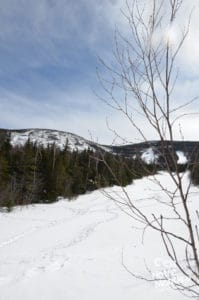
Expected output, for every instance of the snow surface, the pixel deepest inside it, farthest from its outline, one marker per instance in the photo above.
(148, 156)
(73, 250)
(182, 159)
(47, 137)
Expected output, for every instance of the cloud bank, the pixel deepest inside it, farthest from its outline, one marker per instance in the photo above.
(48, 56)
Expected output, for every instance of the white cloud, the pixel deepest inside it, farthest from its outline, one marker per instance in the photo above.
(20, 112)
(51, 28)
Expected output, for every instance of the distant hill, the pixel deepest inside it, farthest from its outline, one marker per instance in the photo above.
(148, 151)
(152, 150)
(33, 174)
(47, 137)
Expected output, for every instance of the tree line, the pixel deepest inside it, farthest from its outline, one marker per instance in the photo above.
(36, 174)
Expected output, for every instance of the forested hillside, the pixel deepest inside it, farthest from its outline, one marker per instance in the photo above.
(33, 174)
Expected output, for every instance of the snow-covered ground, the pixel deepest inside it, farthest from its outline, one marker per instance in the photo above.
(74, 250)
(182, 159)
(47, 137)
(148, 156)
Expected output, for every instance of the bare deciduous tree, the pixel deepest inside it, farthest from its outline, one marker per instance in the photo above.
(143, 80)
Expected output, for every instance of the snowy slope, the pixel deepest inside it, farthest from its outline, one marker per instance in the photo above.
(147, 151)
(47, 136)
(149, 156)
(73, 250)
(182, 159)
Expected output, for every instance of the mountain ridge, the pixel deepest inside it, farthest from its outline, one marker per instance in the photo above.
(45, 137)
(148, 151)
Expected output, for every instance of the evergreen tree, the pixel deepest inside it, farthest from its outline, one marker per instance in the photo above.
(32, 173)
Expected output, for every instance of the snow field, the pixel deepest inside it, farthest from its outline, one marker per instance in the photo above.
(74, 250)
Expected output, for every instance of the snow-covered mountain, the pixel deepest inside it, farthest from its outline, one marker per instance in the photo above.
(47, 137)
(149, 152)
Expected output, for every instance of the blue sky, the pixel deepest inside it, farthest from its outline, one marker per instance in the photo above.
(49, 52)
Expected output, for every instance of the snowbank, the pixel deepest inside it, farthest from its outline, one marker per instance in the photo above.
(74, 250)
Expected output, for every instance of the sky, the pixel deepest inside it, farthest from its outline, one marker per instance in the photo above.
(49, 52)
